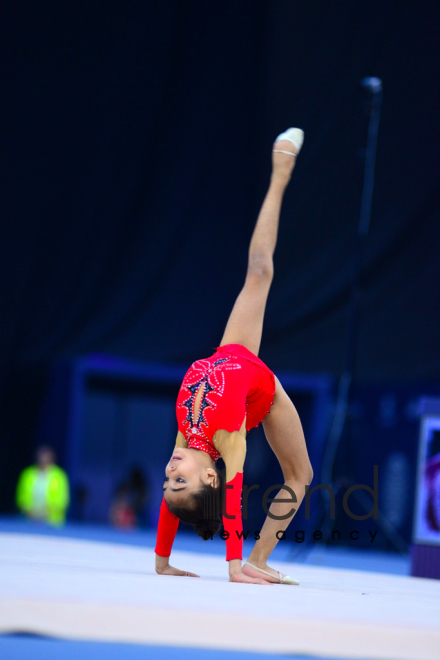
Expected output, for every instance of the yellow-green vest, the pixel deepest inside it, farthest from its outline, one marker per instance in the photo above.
(57, 492)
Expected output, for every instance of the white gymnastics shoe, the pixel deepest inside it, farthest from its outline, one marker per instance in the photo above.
(293, 135)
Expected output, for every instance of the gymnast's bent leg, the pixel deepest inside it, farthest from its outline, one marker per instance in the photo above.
(284, 434)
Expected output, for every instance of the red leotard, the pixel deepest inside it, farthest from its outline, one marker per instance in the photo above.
(231, 385)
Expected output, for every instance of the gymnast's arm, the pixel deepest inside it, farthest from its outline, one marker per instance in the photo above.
(166, 532)
(232, 449)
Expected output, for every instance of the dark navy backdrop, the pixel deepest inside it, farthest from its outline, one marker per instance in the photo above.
(137, 144)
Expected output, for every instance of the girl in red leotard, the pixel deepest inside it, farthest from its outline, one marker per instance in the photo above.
(224, 396)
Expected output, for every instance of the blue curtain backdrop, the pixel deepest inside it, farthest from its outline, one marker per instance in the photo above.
(137, 142)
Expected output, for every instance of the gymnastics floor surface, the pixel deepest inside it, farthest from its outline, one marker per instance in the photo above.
(89, 598)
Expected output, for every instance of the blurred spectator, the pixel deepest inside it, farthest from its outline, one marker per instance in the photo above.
(128, 505)
(43, 489)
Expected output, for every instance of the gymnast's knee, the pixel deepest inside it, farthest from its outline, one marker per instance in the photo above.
(302, 475)
(308, 475)
(260, 268)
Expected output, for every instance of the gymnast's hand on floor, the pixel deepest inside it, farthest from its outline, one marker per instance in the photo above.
(164, 568)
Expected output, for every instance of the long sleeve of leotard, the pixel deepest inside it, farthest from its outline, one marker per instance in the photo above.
(234, 528)
(168, 522)
(166, 531)
(232, 448)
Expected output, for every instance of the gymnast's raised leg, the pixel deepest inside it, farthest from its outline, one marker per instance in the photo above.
(282, 425)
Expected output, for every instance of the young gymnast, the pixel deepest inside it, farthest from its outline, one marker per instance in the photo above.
(224, 396)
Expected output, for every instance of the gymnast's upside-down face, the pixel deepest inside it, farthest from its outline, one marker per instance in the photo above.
(186, 471)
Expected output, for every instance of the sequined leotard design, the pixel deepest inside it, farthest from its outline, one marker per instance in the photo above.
(219, 398)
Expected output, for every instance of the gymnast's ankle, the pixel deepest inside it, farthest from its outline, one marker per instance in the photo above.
(259, 560)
